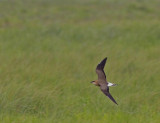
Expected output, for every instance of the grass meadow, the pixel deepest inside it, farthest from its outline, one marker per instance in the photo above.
(49, 50)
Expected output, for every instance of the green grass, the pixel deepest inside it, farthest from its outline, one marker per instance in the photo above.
(49, 51)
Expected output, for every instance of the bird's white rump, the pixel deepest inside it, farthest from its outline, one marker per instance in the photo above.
(111, 84)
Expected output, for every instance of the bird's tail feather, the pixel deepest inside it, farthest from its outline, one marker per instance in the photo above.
(111, 84)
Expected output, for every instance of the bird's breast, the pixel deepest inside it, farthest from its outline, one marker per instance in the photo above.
(96, 83)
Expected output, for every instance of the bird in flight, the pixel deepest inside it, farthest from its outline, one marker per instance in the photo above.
(102, 81)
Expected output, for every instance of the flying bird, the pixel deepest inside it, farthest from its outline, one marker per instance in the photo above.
(102, 80)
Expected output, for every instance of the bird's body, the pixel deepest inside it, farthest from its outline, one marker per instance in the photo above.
(102, 81)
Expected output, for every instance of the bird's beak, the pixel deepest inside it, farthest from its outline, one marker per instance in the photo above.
(92, 81)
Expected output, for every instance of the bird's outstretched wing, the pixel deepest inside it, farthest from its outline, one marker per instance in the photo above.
(106, 92)
(99, 70)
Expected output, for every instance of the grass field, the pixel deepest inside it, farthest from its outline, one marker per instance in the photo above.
(49, 50)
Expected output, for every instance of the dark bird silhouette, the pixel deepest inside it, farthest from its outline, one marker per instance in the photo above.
(102, 81)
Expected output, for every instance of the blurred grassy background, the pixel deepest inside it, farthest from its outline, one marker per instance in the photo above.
(49, 50)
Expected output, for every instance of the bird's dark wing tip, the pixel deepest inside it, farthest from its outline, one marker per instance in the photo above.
(101, 64)
(110, 96)
(104, 60)
(106, 92)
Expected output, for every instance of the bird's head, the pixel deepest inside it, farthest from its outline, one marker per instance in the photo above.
(94, 82)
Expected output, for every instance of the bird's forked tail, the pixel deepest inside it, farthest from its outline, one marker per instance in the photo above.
(111, 84)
